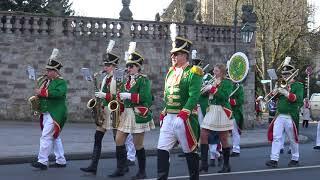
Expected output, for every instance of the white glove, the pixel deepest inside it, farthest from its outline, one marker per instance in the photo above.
(284, 92)
(206, 88)
(125, 95)
(100, 94)
(178, 123)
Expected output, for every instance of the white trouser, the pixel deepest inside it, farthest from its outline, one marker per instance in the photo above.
(47, 142)
(283, 124)
(173, 130)
(235, 138)
(213, 151)
(283, 141)
(131, 151)
(200, 114)
(318, 135)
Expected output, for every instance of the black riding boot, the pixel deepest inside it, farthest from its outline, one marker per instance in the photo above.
(122, 167)
(193, 165)
(141, 155)
(204, 157)
(226, 166)
(95, 154)
(163, 164)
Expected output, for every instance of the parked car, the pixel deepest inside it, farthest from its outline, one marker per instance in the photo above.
(315, 106)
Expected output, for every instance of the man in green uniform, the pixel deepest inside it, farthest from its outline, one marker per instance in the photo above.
(179, 118)
(290, 99)
(52, 96)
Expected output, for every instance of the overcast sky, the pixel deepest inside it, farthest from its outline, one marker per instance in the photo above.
(141, 9)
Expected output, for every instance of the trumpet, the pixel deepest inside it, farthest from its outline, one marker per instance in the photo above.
(207, 82)
(282, 83)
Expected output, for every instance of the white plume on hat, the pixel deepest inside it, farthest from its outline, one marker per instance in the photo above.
(173, 31)
(132, 47)
(54, 54)
(194, 54)
(110, 46)
(287, 61)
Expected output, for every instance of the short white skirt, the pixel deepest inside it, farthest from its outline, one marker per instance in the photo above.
(216, 119)
(128, 123)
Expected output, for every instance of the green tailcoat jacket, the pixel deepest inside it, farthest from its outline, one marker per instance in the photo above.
(141, 98)
(53, 100)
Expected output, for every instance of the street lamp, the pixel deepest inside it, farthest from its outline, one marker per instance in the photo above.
(249, 19)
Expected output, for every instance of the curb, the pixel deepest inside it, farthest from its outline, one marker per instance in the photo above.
(108, 155)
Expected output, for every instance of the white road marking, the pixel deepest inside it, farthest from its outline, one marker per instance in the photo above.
(246, 172)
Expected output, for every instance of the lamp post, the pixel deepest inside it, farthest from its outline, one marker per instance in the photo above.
(249, 19)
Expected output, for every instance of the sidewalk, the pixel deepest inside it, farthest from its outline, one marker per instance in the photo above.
(19, 141)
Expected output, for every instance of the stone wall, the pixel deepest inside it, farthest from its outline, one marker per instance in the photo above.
(27, 39)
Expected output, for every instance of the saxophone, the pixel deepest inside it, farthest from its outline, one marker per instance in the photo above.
(34, 100)
(114, 105)
(95, 105)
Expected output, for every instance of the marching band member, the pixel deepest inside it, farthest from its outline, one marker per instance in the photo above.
(107, 93)
(236, 102)
(218, 118)
(287, 119)
(53, 108)
(179, 120)
(137, 116)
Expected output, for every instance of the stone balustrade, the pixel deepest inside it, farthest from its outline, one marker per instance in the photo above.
(25, 23)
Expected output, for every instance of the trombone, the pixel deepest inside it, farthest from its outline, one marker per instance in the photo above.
(282, 83)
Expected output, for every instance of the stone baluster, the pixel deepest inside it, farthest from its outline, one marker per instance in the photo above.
(8, 25)
(15, 25)
(133, 28)
(84, 27)
(42, 26)
(77, 29)
(219, 38)
(166, 31)
(138, 31)
(1, 24)
(99, 29)
(36, 27)
(229, 35)
(157, 34)
(50, 24)
(213, 34)
(66, 27)
(112, 29)
(91, 27)
(119, 30)
(26, 25)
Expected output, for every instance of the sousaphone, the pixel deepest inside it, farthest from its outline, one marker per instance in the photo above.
(238, 67)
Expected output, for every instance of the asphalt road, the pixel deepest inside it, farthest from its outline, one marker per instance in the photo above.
(250, 165)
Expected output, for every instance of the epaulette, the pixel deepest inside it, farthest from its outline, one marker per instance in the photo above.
(197, 70)
(143, 75)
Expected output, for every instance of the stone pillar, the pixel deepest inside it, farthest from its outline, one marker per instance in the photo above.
(125, 13)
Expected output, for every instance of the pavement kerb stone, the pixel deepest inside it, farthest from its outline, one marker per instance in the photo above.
(104, 155)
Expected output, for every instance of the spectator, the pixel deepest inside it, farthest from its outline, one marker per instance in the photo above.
(305, 112)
